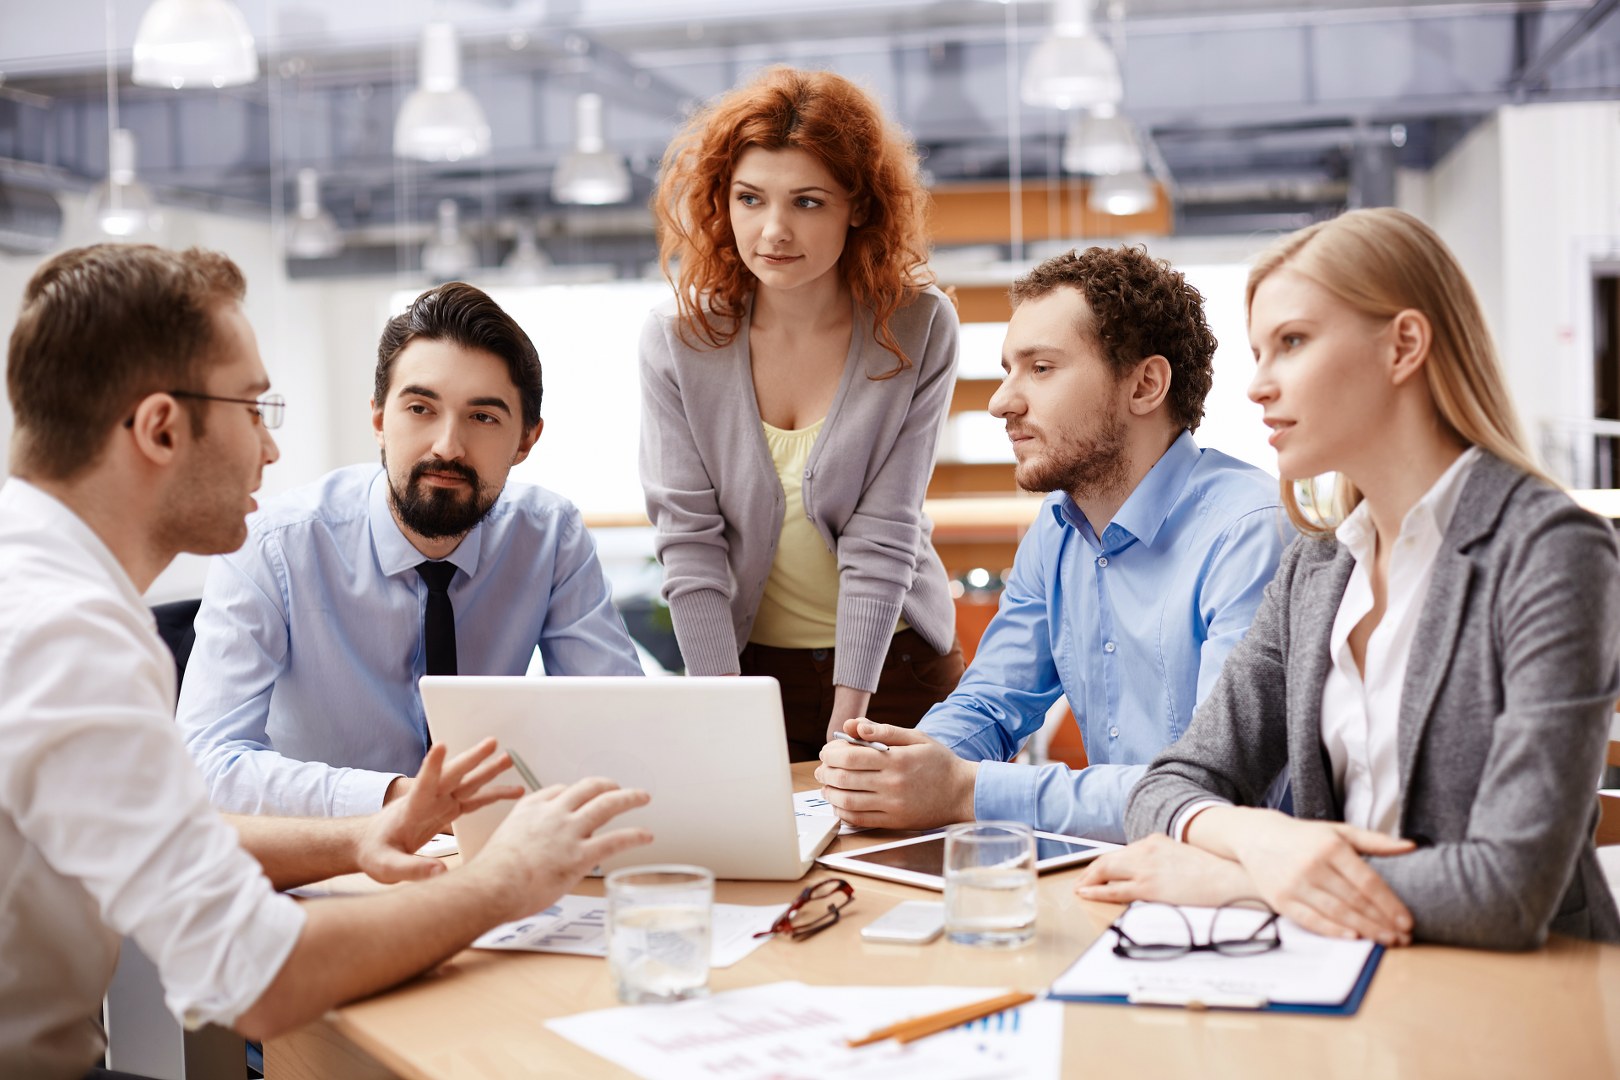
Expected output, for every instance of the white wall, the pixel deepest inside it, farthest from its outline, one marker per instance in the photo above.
(1530, 202)
(292, 339)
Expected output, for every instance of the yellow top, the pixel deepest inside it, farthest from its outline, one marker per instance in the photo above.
(799, 609)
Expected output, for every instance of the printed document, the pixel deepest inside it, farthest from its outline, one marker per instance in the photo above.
(789, 1029)
(577, 925)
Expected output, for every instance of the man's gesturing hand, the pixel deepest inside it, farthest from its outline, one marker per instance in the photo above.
(550, 840)
(442, 791)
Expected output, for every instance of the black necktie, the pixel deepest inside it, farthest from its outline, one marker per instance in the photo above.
(439, 620)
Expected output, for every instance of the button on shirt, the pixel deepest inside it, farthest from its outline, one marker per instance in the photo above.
(1361, 706)
(1132, 626)
(300, 696)
(105, 827)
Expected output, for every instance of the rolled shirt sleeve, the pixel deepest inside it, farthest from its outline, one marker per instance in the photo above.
(96, 779)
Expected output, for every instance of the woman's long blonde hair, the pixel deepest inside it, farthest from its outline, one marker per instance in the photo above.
(1382, 262)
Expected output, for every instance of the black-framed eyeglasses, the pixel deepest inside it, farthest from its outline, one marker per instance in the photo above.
(802, 917)
(1241, 928)
(270, 408)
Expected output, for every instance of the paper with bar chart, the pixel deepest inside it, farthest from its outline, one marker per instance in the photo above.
(577, 925)
(788, 1030)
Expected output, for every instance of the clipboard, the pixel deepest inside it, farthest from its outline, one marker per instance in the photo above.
(1348, 1007)
(1309, 974)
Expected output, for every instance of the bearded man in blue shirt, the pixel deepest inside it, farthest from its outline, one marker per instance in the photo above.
(1141, 573)
(300, 695)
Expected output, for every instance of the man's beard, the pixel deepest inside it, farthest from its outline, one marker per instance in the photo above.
(438, 513)
(1082, 467)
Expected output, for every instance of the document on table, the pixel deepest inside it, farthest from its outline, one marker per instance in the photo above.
(1307, 970)
(577, 925)
(811, 804)
(789, 1029)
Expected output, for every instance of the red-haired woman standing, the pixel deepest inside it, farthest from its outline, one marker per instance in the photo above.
(792, 397)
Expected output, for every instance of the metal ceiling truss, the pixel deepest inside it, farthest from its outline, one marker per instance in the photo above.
(1252, 118)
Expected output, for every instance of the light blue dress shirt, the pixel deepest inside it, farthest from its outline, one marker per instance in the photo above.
(1133, 627)
(300, 695)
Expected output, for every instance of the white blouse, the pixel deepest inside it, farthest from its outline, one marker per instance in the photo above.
(1361, 707)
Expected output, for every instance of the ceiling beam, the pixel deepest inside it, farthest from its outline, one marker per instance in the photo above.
(1535, 71)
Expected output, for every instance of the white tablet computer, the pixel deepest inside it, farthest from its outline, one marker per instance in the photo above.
(920, 860)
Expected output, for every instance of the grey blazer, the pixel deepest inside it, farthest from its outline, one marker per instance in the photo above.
(1503, 723)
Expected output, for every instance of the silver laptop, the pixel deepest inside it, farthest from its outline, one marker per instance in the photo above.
(713, 753)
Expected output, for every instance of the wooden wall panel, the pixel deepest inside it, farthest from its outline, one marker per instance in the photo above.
(982, 214)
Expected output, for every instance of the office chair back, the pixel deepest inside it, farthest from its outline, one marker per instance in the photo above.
(176, 626)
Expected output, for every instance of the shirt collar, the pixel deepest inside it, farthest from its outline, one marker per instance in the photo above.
(395, 553)
(65, 526)
(1432, 513)
(1147, 507)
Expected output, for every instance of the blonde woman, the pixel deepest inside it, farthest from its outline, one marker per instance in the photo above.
(1437, 669)
(792, 397)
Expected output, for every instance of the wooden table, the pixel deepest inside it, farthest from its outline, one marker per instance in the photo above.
(1431, 1011)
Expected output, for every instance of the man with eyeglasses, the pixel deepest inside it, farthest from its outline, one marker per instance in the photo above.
(300, 696)
(142, 419)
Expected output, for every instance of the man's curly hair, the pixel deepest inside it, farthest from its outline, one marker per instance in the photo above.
(1140, 307)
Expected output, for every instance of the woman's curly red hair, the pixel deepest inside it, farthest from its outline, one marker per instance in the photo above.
(826, 115)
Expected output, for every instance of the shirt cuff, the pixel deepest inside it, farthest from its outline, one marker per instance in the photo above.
(1178, 825)
(1005, 791)
(258, 950)
(361, 791)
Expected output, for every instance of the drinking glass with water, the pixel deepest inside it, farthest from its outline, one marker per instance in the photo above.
(990, 883)
(659, 922)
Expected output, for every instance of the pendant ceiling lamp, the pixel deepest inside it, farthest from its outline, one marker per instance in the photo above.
(441, 120)
(1072, 67)
(1123, 193)
(184, 43)
(448, 255)
(590, 174)
(311, 232)
(121, 206)
(527, 264)
(1100, 143)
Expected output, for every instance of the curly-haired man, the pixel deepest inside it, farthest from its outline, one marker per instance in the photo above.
(1141, 572)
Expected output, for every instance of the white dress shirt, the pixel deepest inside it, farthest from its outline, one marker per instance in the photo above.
(1361, 707)
(105, 829)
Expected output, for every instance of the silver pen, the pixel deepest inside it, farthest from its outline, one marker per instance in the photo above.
(529, 780)
(853, 741)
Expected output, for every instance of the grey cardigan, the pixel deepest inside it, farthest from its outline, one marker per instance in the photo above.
(1503, 722)
(717, 504)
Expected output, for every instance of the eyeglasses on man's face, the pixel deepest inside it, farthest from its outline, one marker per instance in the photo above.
(1148, 931)
(805, 916)
(269, 409)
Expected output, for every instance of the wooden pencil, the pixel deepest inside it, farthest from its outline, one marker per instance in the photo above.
(917, 1027)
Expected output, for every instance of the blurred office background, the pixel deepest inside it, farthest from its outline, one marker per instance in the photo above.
(349, 155)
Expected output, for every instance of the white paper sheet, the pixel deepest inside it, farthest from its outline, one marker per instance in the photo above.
(787, 1031)
(811, 804)
(1307, 969)
(577, 925)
